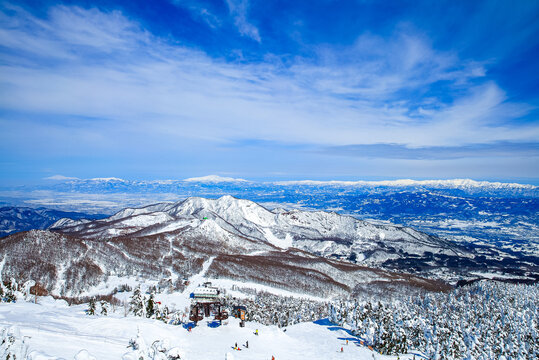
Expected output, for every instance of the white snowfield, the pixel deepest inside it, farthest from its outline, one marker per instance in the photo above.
(56, 331)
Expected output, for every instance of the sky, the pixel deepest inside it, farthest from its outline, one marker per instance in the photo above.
(346, 90)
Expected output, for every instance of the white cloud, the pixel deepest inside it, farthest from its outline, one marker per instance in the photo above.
(132, 88)
(200, 11)
(61, 178)
(239, 10)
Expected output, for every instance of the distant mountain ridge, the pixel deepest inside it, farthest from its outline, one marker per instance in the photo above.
(214, 179)
(442, 183)
(453, 183)
(15, 219)
(468, 211)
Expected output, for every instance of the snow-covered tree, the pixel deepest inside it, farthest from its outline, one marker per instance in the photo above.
(91, 307)
(485, 320)
(136, 303)
(12, 344)
(104, 307)
(9, 291)
(158, 350)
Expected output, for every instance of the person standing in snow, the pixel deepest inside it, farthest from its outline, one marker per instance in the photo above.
(247, 344)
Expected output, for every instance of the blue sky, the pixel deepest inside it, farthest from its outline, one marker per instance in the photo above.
(269, 89)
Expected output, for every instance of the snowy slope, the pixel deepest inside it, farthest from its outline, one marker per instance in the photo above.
(53, 331)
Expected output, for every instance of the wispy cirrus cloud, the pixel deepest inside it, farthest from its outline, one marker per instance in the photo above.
(200, 11)
(81, 79)
(239, 10)
(397, 151)
(101, 64)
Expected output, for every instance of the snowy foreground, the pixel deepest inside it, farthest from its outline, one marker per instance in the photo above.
(54, 330)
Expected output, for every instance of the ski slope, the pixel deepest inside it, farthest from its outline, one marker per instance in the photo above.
(54, 330)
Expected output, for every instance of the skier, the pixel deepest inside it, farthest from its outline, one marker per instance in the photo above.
(346, 342)
(272, 357)
(247, 344)
(341, 349)
(256, 332)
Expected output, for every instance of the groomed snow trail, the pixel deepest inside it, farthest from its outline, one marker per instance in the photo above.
(197, 279)
(60, 331)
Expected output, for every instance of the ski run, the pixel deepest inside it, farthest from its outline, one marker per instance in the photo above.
(53, 330)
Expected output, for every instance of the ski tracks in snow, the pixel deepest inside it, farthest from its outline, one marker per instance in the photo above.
(197, 279)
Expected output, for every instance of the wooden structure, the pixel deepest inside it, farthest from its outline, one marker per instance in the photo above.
(205, 301)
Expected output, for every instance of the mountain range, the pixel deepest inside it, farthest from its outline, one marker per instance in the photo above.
(314, 252)
(503, 215)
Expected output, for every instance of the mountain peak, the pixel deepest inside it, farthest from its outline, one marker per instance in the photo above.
(214, 179)
(108, 179)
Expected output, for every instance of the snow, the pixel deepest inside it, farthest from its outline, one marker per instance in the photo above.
(214, 179)
(67, 222)
(197, 279)
(229, 285)
(274, 240)
(108, 179)
(145, 220)
(55, 331)
(230, 221)
(488, 275)
(84, 355)
(453, 183)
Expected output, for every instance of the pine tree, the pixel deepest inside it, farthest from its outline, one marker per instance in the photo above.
(91, 307)
(150, 307)
(9, 294)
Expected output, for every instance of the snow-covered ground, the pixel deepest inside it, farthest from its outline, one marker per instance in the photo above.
(56, 330)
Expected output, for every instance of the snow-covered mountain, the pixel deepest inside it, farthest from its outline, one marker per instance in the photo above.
(214, 179)
(322, 233)
(220, 183)
(237, 239)
(448, 184)
(321, 253)
(237, 224)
